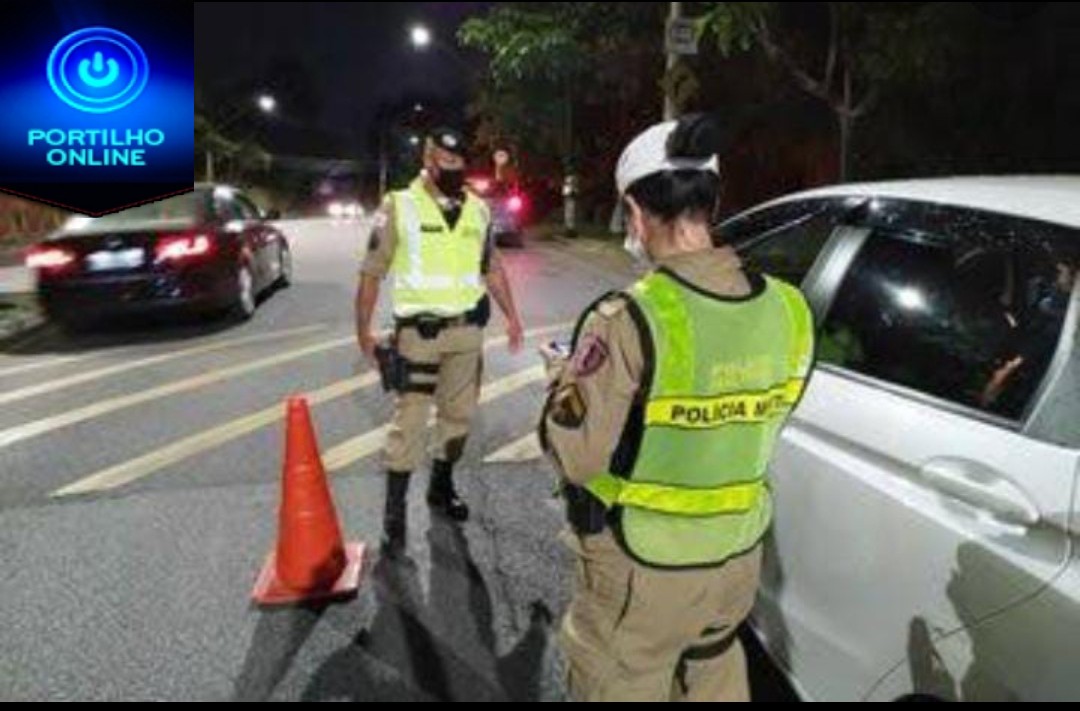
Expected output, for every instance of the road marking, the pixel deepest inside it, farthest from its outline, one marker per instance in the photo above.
(182, 449)
(520, 450)
(51, 424)
(80, 378)
(42, 363)
(178, 451)
(357, 448)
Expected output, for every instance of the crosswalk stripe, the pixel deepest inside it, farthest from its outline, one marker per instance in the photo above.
(178, 451)
(357, 448)
(524, 449)
(47, 425)
(182, 449)
(125, 367)
(39, 363)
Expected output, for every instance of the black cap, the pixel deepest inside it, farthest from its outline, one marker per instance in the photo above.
(449, 139)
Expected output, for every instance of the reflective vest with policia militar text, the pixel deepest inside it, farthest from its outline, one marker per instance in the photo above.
(723, 375)
(436, 269)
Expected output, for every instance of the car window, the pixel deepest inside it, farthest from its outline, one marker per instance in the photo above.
(226, 207)
(783, 241)
(247, 208)
(955, 304)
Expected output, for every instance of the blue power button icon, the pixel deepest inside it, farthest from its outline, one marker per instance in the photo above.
(97, 69)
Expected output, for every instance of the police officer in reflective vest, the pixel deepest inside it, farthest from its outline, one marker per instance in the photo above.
(432, 240)
(661, 423)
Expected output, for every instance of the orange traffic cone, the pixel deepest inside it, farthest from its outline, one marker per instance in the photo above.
(310, 562)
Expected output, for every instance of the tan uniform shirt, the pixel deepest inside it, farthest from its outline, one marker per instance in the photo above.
(592, 392)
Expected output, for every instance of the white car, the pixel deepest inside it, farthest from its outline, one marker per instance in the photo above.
(925, 539)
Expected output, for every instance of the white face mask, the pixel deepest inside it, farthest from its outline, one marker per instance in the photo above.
(635, 247)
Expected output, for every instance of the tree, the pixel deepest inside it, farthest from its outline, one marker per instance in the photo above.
(537, 60)
(843, 53)
(555, 67)
(233, 159)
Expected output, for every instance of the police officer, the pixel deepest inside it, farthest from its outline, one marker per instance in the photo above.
(433, 240)
(661, 423)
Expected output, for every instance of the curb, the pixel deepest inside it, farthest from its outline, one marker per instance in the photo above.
(20, 320)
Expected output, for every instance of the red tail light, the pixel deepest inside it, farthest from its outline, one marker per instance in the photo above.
(515, 203)
(180, 248)
(49, 258)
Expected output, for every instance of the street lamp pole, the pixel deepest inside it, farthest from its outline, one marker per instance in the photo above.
(384, 160)
(670, 110)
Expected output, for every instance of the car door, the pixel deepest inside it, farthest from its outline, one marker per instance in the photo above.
(259, 239)
(231, 226)
(910, 501)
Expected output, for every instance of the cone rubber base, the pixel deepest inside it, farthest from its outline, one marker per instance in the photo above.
(270, 591)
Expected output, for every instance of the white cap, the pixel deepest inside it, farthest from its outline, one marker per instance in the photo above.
(647, 154)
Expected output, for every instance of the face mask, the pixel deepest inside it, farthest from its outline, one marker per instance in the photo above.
(450, 182)
(636, 248)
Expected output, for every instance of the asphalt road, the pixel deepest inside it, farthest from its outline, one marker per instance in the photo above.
(139, 486)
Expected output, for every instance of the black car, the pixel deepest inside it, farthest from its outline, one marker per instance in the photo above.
(210, 250)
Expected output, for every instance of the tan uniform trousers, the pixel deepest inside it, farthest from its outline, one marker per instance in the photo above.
(457, 353)
(635, 633)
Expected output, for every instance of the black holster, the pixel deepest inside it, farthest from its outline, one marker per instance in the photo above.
(393, 369)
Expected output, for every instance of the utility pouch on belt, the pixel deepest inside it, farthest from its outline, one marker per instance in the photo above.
(429, 326)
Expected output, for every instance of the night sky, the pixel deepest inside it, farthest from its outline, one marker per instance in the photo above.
(358, 54)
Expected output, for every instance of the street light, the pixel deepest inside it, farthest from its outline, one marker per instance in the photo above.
(267, 104)
(422, 39)
(420, 36)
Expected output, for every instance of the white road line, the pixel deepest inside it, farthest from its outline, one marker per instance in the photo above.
(178, 451)
(187, 447)
(51, 424)
(125, 367)
(39, 363)
(520, 450)
(357, 448)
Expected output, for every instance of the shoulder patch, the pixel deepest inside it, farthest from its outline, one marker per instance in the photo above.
(591, 353)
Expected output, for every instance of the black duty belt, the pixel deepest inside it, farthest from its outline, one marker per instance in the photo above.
(429, 325)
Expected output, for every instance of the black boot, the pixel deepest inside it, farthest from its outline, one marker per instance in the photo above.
(441, 495)
(393, 538)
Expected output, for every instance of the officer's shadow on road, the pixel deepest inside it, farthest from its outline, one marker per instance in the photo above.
(439, 649)
(279, 636)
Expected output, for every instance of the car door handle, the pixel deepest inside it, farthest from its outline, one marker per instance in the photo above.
(982, 487)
